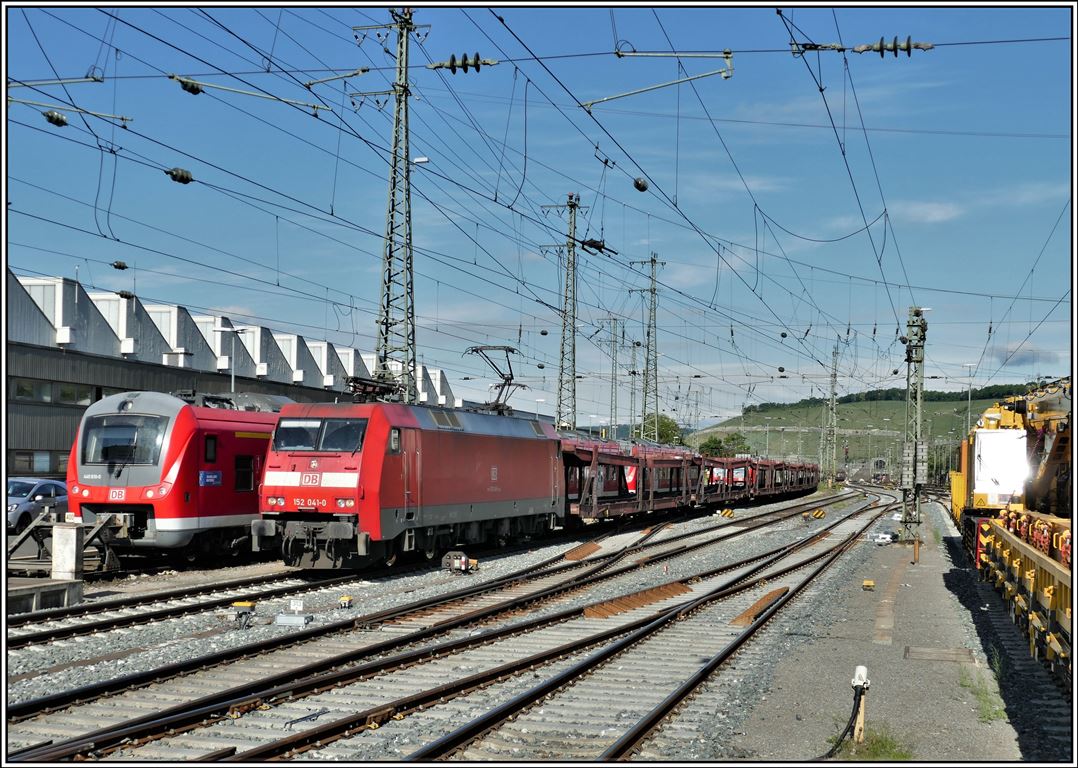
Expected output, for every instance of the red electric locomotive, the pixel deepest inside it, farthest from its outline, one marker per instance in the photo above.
(173, 474)
(354, 483)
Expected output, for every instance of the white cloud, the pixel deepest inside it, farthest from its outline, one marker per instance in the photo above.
(925, 212)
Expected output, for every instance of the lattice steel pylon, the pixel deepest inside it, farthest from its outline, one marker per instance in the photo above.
(914, 455)
(396, 319)
(565, 413)
(614, 377)
(634, 430)
(832, 421)
(651, 355)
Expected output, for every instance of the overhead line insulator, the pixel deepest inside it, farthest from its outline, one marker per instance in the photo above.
(180, 175)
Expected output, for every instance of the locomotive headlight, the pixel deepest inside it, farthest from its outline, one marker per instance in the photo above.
(342, 503)
(85, 492)
(272, 501)
(74, 489)
(149, 494)
(162, 490)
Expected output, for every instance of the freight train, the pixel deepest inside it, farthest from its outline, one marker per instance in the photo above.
(175, 472)
(351, 484)
(1011, 499)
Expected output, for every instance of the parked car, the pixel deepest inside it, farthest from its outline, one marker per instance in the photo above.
(27, 496)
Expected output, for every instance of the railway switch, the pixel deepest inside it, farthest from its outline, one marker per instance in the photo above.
(243, 613)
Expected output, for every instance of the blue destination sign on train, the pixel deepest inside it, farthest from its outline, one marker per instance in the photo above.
(209, 478)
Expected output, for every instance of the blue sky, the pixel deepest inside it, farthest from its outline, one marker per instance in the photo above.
(963, 173)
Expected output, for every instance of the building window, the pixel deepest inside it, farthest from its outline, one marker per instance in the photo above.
(31, 389)
(30, 462)
(61, 461)
(245, 473)
(73, 394)
(211, 448)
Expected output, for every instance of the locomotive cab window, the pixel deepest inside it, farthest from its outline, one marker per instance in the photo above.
(394, 441)
(211, 448)
(320, 435)
(296, 434)
(342, 435)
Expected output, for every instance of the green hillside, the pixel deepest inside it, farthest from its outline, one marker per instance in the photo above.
(869, 429)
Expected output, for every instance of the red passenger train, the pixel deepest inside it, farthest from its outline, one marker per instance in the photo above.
(350, 484)
(175, 475)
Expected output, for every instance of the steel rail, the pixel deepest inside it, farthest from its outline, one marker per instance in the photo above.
(381, 713)
(286, 683)
(644, 727)
(484, 723)
(104, 625)
(54, 701)
(125, 602)
(51, 702)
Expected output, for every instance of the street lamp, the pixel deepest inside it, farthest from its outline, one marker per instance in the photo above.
(537, 401)
(969, 392)
(232, 357)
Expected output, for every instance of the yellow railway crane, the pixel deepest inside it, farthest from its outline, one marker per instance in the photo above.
(1011, 498)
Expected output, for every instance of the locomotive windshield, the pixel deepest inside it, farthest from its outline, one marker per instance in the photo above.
(324, 435)
(123, 439)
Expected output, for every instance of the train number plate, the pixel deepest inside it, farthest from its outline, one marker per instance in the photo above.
(299, 501)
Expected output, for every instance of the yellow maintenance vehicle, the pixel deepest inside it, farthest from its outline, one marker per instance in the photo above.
(1011, 498)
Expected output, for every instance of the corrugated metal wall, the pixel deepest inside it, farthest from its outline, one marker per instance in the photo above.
(48, 426)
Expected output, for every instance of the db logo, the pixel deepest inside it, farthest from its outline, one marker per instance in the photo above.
(117, 494)
(310, 478)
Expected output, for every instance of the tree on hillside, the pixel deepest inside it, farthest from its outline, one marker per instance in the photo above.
(730, 445)
(735, 443)
(712, 446)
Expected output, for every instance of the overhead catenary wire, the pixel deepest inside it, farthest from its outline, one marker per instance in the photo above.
(461, 201)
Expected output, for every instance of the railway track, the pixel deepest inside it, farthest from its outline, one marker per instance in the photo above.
(689, 642)
(286, 661)
(33, 629)
(90, 618)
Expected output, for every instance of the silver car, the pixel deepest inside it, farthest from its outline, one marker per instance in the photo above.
(28, 496)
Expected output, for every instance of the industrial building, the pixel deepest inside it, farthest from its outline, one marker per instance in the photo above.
(67, 347)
